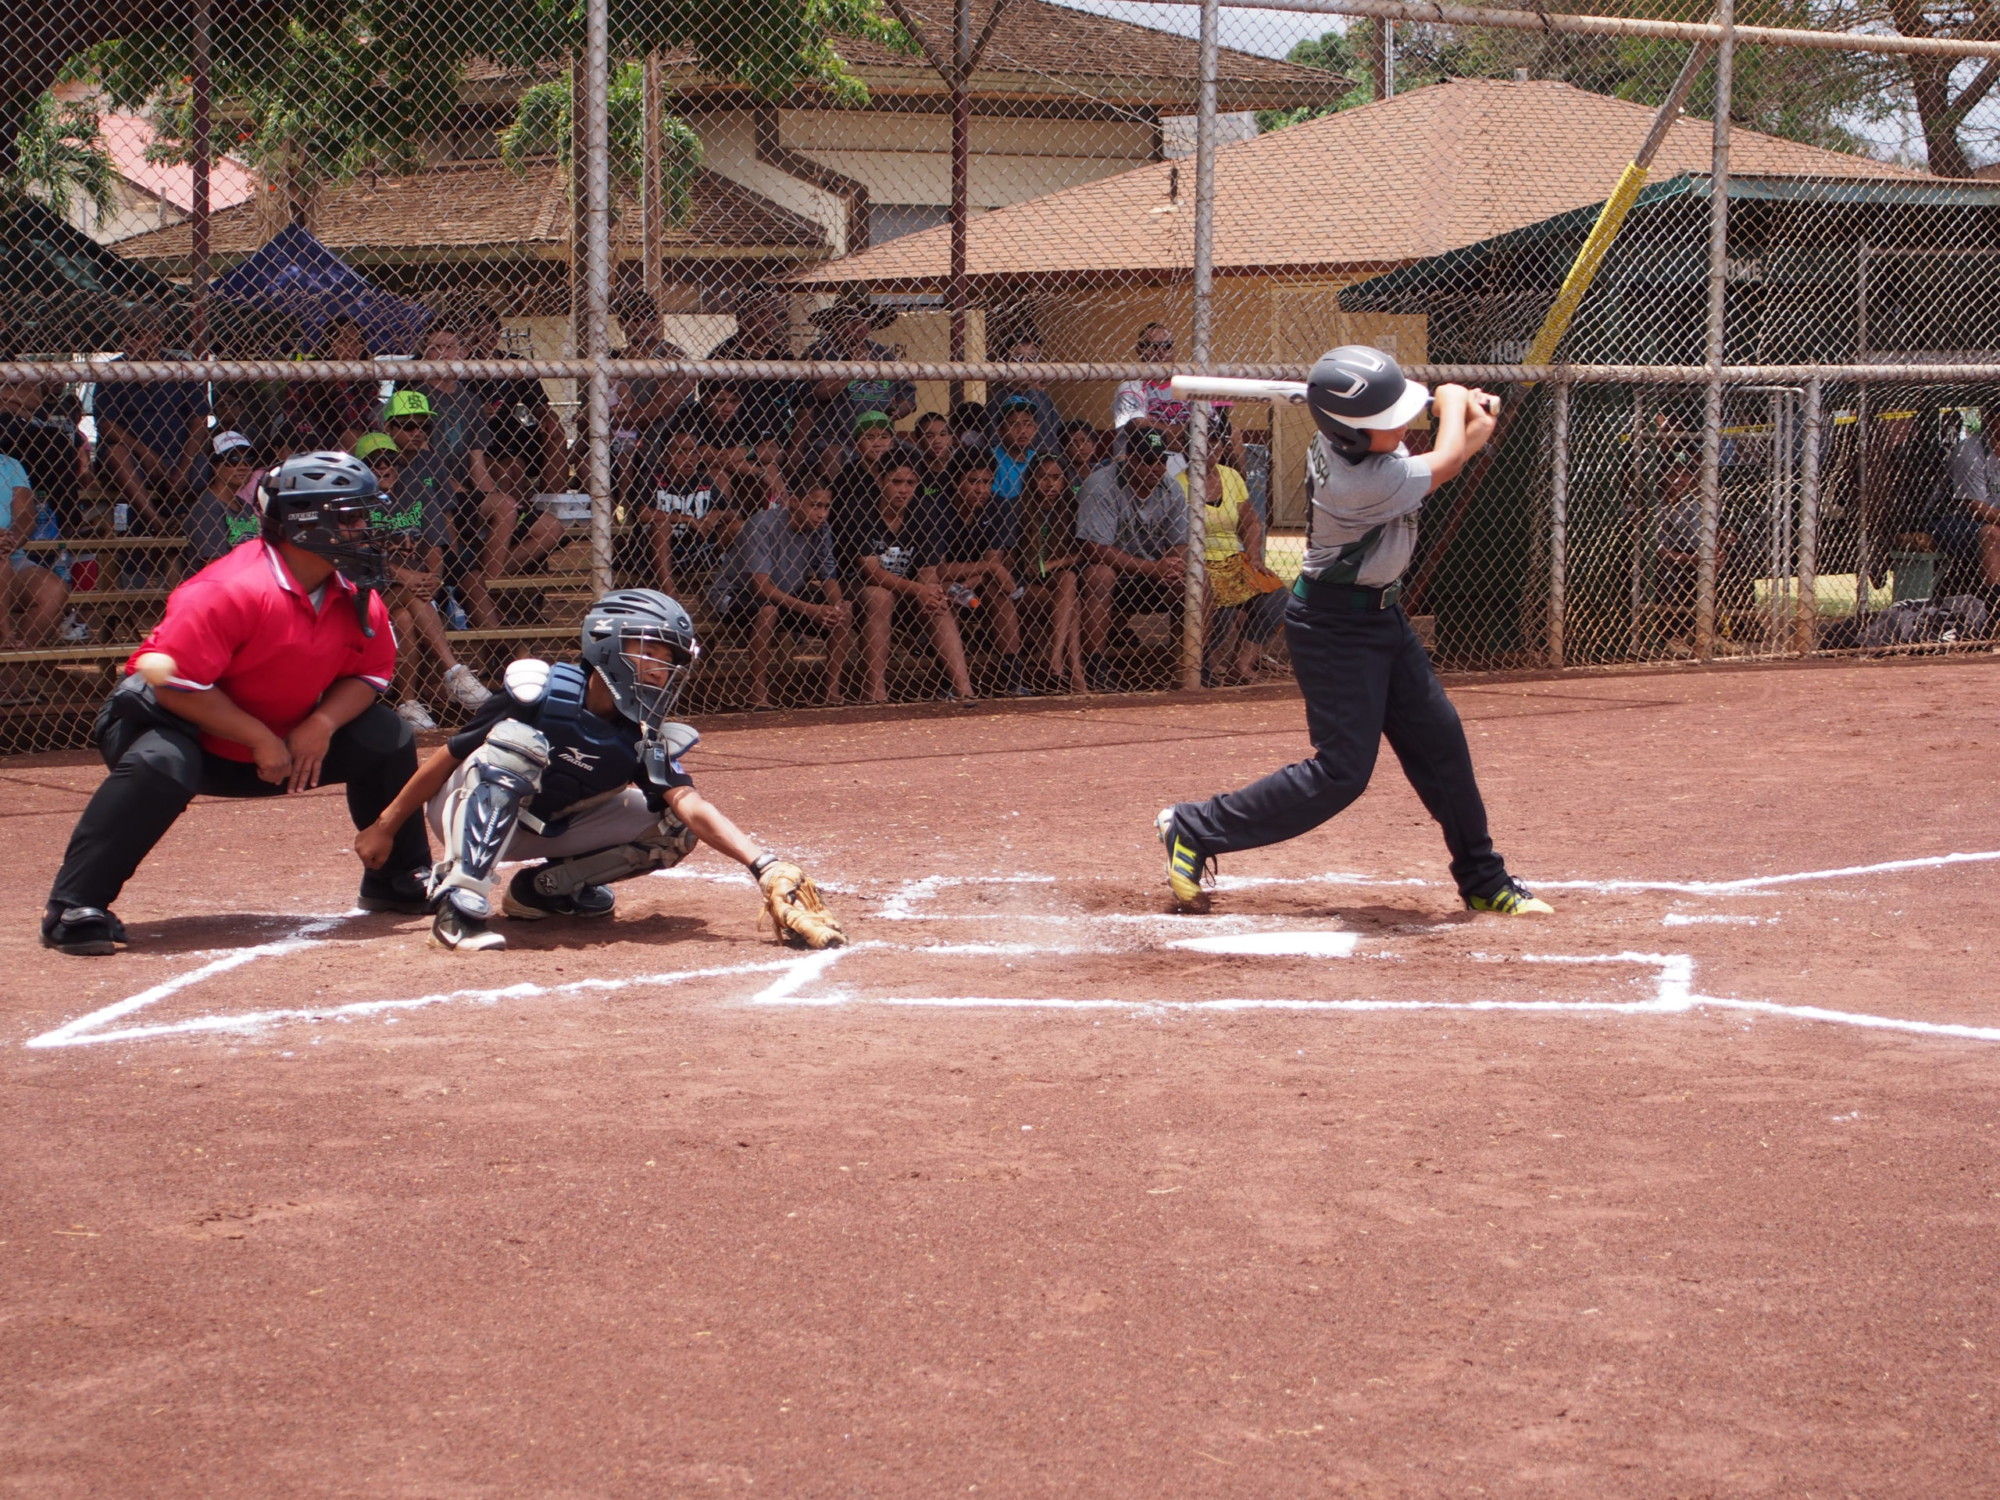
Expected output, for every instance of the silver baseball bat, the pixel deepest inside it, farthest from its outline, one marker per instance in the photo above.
(1222, 388)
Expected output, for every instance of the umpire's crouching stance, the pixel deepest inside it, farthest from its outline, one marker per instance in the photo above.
(1362, 670)
(261, 679)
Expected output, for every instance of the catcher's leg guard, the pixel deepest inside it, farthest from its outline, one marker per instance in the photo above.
(670, 842)
(499, 777)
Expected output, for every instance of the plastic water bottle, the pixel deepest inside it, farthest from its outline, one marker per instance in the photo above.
(121, 518)
(961, 596)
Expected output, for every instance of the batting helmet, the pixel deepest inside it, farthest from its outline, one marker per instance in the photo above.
(618, 629)
(1355, 390)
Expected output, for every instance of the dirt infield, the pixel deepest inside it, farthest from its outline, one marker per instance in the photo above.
(1691, 1190)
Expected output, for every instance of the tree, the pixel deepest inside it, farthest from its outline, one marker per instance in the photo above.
(57, 159)
(542, 126)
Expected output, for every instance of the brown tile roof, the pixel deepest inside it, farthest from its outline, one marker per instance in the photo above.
(1376, 186)
(485, 205)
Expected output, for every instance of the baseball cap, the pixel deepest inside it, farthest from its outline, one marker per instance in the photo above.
(371, 443)
(407, 404)
(229, 442)
(1147, 444)
(1016, 403)
(869, 419)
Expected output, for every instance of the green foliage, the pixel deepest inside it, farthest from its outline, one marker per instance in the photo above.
(57, 159)
(542, 126)
(1331, 52)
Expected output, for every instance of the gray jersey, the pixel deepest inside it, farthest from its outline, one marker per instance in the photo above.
(1350, 500)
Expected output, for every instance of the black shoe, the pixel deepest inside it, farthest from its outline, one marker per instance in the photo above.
(86, 931)
(527, 904)
(1101, 677)
(407, 893)
(456, 930)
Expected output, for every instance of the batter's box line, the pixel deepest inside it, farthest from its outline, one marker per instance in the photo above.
(1674, 995)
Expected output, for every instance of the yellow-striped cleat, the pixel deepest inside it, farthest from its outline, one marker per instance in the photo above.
(1512, 900)
(1185, 864)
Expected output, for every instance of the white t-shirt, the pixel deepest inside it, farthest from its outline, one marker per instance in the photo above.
(1350, 500)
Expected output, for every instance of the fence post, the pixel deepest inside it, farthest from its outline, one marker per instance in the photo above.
(1194, 613)
(1718, 299)
(597, 283)
(1558, 522)
(201, 104)
(1806, 619)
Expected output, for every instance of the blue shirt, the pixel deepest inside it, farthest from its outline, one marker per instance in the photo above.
(1009, 473)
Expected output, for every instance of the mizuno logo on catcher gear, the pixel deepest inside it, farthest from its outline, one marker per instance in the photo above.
(578, 757)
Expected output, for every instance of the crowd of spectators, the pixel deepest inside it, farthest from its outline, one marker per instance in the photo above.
(994, 533)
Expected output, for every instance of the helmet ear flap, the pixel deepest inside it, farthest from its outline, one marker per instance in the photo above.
(1350, 443)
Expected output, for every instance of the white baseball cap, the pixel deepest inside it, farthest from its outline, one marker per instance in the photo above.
(229, 442)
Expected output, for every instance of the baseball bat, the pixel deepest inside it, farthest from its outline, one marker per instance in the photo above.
(1222, 388)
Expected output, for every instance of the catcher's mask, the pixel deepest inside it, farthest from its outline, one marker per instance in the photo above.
(1355, 390)
(642, 643)
(325, 504)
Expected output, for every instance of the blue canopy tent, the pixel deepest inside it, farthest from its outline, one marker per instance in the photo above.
(295, 275)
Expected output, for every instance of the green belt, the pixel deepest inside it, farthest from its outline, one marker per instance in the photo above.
(1315, 591)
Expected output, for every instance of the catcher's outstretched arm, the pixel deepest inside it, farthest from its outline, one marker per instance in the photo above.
(712, 825)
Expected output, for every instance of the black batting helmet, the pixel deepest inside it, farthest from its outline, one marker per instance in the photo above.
(1355, 390)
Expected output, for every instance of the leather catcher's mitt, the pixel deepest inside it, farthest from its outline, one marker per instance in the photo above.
(797, 914)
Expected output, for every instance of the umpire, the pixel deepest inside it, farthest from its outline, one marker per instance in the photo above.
(1361, 668)
(267, 666)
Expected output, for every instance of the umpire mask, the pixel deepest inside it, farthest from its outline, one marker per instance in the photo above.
(325, 504)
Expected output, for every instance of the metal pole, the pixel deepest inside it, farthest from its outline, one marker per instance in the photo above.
(1194, 612)
(200, 144)
(1808, 612)
(958, 294)
(1640, 511)
(1558, 522)
(1385, 59)
(597, 282)
(653, 187)
(1718, 298)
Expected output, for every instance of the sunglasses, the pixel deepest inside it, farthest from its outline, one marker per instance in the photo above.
(417, 426)
(1157, 346)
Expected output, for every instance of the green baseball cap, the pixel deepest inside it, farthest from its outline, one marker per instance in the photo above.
(872, 419)
(407, 404)
(371, 443)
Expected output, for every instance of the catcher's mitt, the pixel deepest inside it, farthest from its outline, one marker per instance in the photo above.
(797, 914)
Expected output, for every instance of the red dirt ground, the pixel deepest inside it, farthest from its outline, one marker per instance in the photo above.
(660, 1237)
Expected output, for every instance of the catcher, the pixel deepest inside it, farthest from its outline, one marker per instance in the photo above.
(579, 766)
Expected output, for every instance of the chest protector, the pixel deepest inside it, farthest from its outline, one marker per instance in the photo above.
(587, 756)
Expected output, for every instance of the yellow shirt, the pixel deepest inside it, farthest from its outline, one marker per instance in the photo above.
(1223, 538)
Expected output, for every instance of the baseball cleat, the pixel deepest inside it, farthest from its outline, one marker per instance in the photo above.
(408, 893)
(1512, 899)
(523, 902)
(85, 931)
(1186, 865)
(458, 931)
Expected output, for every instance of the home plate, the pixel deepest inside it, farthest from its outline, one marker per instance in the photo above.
(1276, 944)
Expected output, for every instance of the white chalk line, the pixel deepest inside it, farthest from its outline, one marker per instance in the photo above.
(796, 973)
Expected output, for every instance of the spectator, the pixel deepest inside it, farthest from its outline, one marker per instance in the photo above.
(1152, 403)
(495, 537)
(1048, 421)
(1967, 530)
(1249, 600)
(762, 332)
(1082, 450)
(691, 519)
(1133, 525)
(966, 544)
(935, 450)
(332, 414)
(837, 402)
(224, 515)
(148, 435)
(415, 535)
(526, 447)
(1013, 450)
(855, 487)
(743, 459)
(27, 589)
(968, 426)
(644, 411)
(882, 550)
(1046, 563)
(784, 554)
(38, 430)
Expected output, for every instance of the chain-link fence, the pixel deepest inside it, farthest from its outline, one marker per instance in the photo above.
(851, 323)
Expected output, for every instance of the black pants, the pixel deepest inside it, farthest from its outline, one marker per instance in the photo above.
(1365, 675)
(157, 770)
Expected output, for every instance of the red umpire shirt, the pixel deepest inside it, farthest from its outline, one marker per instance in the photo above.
(244, 625)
